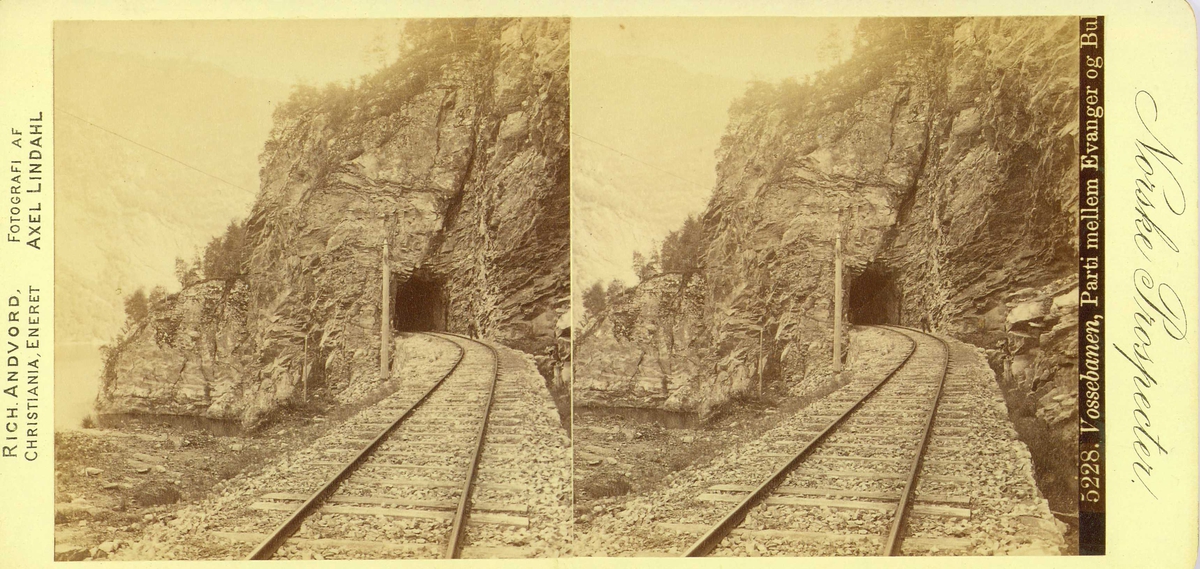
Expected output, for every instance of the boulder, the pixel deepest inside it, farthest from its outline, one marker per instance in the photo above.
(69, 552)
(1025, 312)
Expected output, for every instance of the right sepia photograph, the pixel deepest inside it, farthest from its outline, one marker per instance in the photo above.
(825, 286)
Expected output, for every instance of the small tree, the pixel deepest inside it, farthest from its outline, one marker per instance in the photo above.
(157, 295)
(137, 307)
(594, 300)
(639, 264)
(654, 265)
(682, 249)
(187, 273)
(615, 289)
(224, 255)
(643, 268)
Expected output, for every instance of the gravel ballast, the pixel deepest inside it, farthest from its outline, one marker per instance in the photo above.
(976, 494)
(524, 467)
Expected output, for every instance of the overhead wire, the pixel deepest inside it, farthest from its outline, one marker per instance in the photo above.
(58, 109)
(231, 184)
(643, 162)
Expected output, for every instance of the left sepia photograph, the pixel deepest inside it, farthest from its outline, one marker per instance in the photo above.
(313, 289)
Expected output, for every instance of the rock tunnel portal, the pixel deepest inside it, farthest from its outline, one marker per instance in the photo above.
(419, 305)
(873, 298)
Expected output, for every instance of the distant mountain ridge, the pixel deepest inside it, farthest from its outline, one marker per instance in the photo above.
(123, 213)
(621, 204)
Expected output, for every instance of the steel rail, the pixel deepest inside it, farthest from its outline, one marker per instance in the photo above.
(462, 514)
(892, 545)
(271, 544)
(735, 517)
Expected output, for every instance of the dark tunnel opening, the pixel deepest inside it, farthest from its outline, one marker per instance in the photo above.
(874, 298)
(420, 305)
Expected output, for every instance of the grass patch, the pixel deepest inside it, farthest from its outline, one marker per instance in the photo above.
(677, 462)
(238, 462)
(155, 493)
(604, 485)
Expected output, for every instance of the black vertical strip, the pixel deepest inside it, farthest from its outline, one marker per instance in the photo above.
(1091, 286)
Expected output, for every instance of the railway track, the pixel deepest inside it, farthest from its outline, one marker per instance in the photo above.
(858, 472)
(415, 480)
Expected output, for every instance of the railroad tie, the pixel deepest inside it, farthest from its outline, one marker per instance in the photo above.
(497, 519)
(470, 551)
(928, 461)
(920, 543)
(389, 501)
(944, 511)
(806, 491)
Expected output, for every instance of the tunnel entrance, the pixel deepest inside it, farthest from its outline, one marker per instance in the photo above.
(420, 305)
(874, 298)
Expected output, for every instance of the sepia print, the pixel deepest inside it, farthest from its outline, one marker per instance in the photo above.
(554, 287)
(598, 285)
(826, 286)
(315, 284)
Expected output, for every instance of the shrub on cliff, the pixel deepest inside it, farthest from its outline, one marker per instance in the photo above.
(186, 273)
(593, 300)
(157, 296)
(616, 289)
(683, 249)
(136, 306)
(644, 269)
(225, 254)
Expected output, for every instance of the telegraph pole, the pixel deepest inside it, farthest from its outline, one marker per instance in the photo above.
(385, 317)
(837, 295)
(761, 360)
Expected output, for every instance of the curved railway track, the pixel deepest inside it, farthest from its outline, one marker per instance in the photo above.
(421, 460)
(865, 452)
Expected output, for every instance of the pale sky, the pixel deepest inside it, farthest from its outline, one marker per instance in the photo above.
(200, 92)
(288, 51)
(649, 104)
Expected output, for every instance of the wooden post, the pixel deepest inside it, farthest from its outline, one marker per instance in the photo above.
(385, 317)
(837, 296)
(761, 360)
(304, 370)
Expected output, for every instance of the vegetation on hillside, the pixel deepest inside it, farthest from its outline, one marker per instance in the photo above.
(224, 259)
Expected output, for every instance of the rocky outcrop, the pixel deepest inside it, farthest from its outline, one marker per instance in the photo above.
(1036, 363)
(944, 149)
(456, 156)
(644, 352)
(188, 357)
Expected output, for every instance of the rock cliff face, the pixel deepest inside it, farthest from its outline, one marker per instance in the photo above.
(186, 358)
(646, 350)
(456, 156)
(948, 146)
